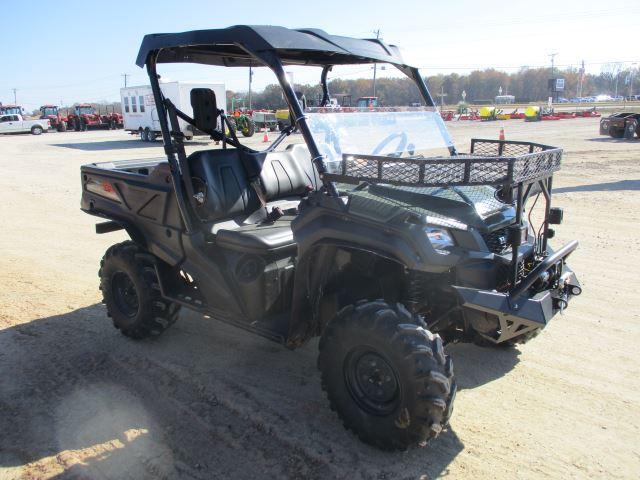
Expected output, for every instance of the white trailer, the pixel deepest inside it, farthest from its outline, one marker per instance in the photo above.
(140, 113)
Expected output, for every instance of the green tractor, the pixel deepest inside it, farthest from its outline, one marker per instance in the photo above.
(240, 121)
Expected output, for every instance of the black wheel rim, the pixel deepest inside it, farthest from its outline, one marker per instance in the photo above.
(125, 294)
(372, 381)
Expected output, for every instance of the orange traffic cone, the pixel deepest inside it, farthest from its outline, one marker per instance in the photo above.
(265, 138)
(501, 137)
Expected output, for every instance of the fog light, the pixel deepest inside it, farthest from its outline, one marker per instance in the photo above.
(575, 290)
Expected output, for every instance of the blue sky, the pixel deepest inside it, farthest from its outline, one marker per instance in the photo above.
(77, 50)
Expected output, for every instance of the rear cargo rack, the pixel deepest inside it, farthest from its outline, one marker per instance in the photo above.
(490, 162)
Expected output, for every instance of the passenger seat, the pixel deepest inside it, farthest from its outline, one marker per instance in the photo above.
(232, 209)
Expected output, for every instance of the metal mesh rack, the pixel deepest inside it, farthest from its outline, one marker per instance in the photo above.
(490, 162)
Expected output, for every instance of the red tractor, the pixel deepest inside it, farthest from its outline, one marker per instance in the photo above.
(11, 109)
(55, 117)
(85, 116)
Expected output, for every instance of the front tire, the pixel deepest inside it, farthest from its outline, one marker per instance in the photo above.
(131, 292)
(249, 129)
(388, 378)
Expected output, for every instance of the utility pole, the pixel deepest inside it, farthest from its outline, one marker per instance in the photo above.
(250, 80)
(554, 93)
(442, 95)
(375, 65)
(125, 75)
(580, 80)
(15, 97)
(553, 57)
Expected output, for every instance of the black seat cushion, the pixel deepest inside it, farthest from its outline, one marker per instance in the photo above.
(258, 238)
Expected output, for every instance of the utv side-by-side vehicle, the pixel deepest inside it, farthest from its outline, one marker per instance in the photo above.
(375, 234)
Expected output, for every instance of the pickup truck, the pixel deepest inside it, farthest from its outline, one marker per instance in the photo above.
(16, 124)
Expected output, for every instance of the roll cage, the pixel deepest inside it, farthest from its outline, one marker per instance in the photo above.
(277, 47)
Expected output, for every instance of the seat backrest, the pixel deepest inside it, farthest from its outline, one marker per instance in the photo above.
(289, 172)
(228, 193)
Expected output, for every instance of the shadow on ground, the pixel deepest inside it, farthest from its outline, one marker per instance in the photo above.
(607, 139)
(204, 400)
(118, 145)
(602, 187)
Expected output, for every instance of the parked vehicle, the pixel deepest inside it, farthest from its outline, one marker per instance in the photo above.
(243, 123)
(85, 117)
(367, 102)
(265, 119)
(11, 109)
(141, 114)
(57, 120)
(621, 125)
(16, 124)
(364, 235)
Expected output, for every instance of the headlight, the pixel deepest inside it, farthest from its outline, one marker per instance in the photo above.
(440, 238)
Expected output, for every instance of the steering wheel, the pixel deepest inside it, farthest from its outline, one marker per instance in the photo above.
(401, 144)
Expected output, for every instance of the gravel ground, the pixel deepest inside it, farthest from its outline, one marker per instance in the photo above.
(78, 400)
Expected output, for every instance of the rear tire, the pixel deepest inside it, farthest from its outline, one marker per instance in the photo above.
(36, 130)
(388, 378)
(143, 135)
(131, 292)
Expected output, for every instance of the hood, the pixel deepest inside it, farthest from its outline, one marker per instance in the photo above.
(451, 207)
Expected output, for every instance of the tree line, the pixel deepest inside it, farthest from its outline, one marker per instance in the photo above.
(480, 86)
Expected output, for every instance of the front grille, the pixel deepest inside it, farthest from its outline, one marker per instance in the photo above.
(497, 241)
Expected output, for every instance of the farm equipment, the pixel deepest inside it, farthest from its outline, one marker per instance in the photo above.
(264, 119)
(11, 109)
(488, 113)
(621, 125)
(590, 113)
(375, 234)
(85, 116)
(367, 102)
(448, 115)
(55, 117)
(243, 123)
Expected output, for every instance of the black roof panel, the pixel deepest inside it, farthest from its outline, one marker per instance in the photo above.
(232, 47)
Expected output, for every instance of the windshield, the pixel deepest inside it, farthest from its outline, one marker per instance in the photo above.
(391, 131)
(12, 110)
(85, 110)
(49, 111)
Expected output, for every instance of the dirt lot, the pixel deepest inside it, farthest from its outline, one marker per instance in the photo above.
(78, 400)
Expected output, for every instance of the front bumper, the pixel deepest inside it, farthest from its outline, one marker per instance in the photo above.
(521, 310)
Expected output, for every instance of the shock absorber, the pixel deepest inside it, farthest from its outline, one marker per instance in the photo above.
(416, 291)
